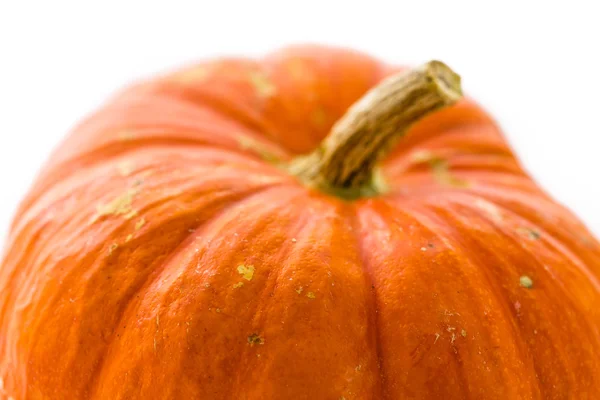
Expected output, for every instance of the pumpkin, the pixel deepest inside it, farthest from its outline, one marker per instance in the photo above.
(312, 225)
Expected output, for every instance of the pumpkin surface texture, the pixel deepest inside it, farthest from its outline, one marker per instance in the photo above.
(312, 225)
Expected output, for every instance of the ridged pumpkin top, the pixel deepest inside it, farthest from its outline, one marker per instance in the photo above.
(165, 252)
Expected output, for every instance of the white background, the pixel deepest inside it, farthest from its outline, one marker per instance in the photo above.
(533, 64)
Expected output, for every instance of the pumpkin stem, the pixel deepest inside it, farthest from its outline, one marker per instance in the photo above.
(345, 162)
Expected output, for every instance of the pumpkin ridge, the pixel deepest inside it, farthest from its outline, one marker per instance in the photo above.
(438, 227)
(156, 272)
(555, 243)
(560, 353)
(77, 166)
(424, 218)
(357, 231)
(225, 109)
(523, 198)
(264, 298)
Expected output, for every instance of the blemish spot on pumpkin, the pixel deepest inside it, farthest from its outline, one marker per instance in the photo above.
(490, 209)
(449, 313)
(121, 205)
(423, 248)
(463, 333)
(453, 338)
(437, 336)
(131, 214)
(140, 224)
(207, 285)
(218, 310)
(112, 248)
(255, 339)
(358, 368)
(293, 240)
(439, 168)
(247, 143)
(517, 306)
(311, 295)
(128, 238)
(126, 136)
(443, 175)
(422, 156)
(247, 272)
(238, 285)
(125, 168)
(526, 282)
(529, 233)
(262, 84)
(299, 290)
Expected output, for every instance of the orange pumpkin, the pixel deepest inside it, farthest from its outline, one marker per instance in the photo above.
(181, 244)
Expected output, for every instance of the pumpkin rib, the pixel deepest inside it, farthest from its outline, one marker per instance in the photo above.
(263, 300)
(560, 352)
(428, 211)
(551, 242)
(94, 252)
(157, 272)
(356, 228)
(110, 154)
(573, 261)
(408, 215)
(225, 109)
(557, 244)
(495, 290)
(565, 239)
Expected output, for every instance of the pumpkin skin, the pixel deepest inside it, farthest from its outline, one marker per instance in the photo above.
(162, 255)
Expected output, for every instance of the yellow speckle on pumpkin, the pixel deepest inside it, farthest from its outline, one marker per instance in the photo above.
(121, 205)
(463, 333)
(130, 214)
(531, 234)
(526, 282)
(262, 85)
(126, 136)
(311, 295)
(238, 285)
(112, 248)
(299, 290)
(248, 143)
(125, 168)
(443, 175)
(247, 272)
(453, 338)
(490, 209)
(294, 240)
(140, 224)
(439, 167)
(218, 310)
(128, 238)
(437, 336)
(422, 156)
(255, 339)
